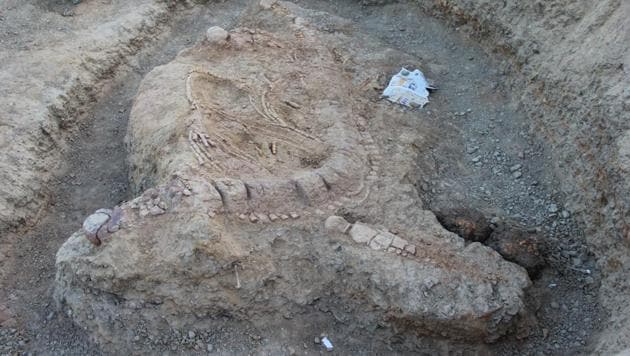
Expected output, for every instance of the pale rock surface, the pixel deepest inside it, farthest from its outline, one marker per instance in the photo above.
(216, 34)
(94, 222)
(361, 233)
(337, 223)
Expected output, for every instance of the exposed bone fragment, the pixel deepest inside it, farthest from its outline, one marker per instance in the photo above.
(210, 142)
(195, 148)
(202, 138)
(292, 104)
(238, 280)
(253, 218)
(189, 91)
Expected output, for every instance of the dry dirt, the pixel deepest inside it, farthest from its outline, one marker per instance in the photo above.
(492, 143)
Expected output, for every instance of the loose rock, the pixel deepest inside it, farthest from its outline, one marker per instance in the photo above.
(216, 35)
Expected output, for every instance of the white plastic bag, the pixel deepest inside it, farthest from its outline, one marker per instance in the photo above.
(327, 344)
(408, 88)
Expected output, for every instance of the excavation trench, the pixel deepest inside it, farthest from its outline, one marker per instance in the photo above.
(93, 174)
(478, 167)
(488, 177)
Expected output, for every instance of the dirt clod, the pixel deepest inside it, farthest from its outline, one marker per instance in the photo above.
(470, 224)
(519, 246)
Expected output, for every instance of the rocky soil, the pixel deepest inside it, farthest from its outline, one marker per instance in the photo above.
(513, 151)
(260, 157)
(484, 164)
(93, 172)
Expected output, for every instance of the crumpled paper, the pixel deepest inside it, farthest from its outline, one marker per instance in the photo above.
(408, 88)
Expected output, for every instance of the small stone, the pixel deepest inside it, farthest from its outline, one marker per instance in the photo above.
(294, 215)
(187, 192)
(211, 214)
(565, 214)
(555, 305)
(517, 174)
(253, 218)
(411, 249)
(94, 222)
(156, 210)
(552, 208)
(273, 217)
(589, 280)
(162, 205)
(291, 350)
(545, 332)
(284, 217)
(515, 167)
(316, 340)
(242, 217)
(191, 334)
(216, 34)
(476, 159)
(209, 347)
(267, 4)
(471, 150)
(136, 338)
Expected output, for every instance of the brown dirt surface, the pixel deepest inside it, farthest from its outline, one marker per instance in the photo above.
(528, 130)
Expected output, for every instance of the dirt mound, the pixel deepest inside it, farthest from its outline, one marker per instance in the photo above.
(42, 106)
(254, 144)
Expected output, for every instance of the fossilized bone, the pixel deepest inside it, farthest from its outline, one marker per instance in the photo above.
(194, 147)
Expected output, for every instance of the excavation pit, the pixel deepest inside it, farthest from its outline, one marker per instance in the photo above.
(243, 147)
